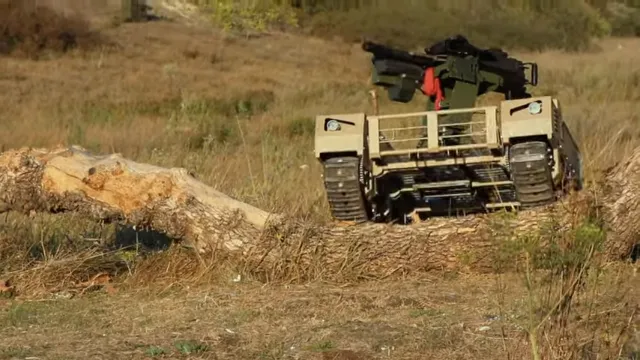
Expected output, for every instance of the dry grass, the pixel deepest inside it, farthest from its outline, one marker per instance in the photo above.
(239, 114)
(435, 317)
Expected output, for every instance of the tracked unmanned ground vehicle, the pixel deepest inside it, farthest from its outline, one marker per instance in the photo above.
(454, 158)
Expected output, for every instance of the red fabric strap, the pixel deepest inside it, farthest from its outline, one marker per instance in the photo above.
(431, 86)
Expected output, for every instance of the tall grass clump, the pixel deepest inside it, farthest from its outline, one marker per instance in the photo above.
(564, 313)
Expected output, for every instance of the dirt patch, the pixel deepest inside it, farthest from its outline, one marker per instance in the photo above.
(30, 30)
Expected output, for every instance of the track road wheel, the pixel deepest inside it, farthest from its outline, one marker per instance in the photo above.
(532, 174)
(343, 188)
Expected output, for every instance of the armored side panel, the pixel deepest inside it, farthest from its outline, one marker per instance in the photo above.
(339, 135)
(525, 118)
(569, 153)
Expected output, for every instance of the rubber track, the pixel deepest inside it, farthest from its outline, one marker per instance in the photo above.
(532, 177)
(342, 186)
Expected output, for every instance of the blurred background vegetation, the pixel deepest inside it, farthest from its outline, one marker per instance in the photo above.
(524, 24)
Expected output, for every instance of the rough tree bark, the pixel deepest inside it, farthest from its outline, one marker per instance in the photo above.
(111, 188)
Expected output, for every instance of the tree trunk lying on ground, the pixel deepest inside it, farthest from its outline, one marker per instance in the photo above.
(172, 201)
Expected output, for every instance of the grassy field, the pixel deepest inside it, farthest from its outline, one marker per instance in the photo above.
(452, 317)
(239, 113)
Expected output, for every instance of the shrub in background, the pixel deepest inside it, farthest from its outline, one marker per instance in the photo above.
(247, 17)
(30, 30)
(528, 24)
(624, 19)
(488, 23)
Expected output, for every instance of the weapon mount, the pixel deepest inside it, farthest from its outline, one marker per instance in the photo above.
(452, 73)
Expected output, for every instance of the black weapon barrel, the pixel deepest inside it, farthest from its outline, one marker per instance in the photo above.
(384, 52)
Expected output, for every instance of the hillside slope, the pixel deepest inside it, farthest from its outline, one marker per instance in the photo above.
(238, 112)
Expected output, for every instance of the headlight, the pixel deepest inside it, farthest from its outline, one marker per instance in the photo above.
(333, 125)
(535, 108)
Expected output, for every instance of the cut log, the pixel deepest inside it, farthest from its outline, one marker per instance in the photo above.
(172, 201)
(475, 243)
(619, 202)
(111, 188)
